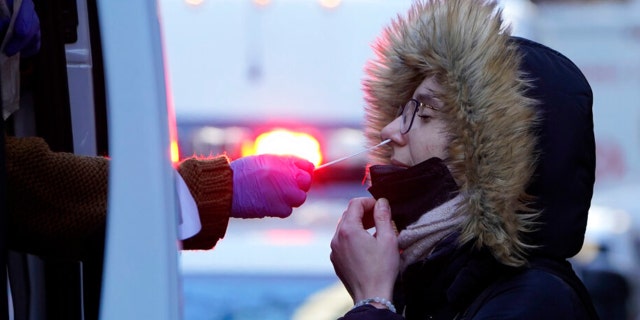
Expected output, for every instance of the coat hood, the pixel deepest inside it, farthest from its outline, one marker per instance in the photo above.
(501, 95)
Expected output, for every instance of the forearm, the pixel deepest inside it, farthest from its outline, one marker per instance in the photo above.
(57, 201)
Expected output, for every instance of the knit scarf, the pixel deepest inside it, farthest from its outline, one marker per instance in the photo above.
(420, 204)
(420, 237)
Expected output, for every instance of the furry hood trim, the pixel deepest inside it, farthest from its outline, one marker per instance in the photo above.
(466, 47)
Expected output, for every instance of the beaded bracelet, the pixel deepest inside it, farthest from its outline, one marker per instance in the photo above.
(384, 301)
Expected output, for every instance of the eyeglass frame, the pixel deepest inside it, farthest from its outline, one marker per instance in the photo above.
(402, 108)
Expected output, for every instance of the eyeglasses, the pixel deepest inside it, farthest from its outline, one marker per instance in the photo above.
(408, 112)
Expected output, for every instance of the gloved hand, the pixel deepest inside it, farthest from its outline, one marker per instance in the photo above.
(25, 37)
(269, 185)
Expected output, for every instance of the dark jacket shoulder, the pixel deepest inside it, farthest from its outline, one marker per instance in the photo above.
(545, 296)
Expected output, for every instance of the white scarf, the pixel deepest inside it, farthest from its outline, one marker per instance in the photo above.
(420, 237)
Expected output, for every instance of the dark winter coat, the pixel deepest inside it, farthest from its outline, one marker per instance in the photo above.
(521, 150)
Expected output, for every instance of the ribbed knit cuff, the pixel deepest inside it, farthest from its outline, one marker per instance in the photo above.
(210, 181)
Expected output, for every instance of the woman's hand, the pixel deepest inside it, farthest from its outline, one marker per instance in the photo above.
(366, 264)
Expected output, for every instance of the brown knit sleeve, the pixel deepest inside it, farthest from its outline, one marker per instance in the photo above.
(210, 181)
(57, 201)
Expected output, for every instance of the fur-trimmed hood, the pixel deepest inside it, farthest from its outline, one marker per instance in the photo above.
(495, 115)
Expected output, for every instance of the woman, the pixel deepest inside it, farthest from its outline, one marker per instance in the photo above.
(489, 174)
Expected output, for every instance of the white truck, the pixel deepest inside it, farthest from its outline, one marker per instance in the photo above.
(603, 39)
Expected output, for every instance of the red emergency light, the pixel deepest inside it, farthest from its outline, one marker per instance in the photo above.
(285, 142)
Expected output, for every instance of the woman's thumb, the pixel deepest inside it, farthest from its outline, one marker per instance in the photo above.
(382, 217)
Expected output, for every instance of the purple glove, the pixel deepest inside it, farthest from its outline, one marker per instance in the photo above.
(269, 185)
(26, 30)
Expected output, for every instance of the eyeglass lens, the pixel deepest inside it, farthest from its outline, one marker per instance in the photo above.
(408, 113)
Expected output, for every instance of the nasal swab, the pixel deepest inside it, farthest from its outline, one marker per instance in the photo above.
(353, 155)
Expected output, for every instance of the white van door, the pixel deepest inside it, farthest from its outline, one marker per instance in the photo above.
(141, 265)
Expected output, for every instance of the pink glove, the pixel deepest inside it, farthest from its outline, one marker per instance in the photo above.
(269, 185)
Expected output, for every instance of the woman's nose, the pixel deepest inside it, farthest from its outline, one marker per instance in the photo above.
(392, 131)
